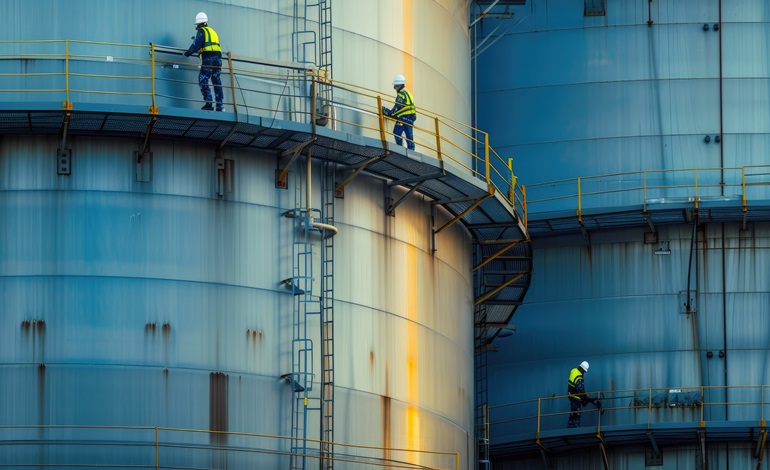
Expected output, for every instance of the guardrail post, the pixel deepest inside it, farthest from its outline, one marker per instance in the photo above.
(487, 162)
(67, 103)
(438, 140)
(232, 80)
(382, 122)
(524, 204)
(579, 203)
(512, 192)
(743, 188)
(313, 92)
(153, 109)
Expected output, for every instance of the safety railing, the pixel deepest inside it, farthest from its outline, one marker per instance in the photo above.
(652, 189)
(160, 448)
(689, 406)
(158, 77)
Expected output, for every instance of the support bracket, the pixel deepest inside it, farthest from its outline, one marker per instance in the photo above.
(358, 169)
(281, 175)
(392, 209)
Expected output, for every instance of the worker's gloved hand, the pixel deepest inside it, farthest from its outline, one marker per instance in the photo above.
(598, 404)
(187, 53)
(385, 111)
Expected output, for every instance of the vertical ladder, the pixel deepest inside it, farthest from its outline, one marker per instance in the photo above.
(325, 90)
(481, 398)
(306, 306)
(312, 46)
(327, 321)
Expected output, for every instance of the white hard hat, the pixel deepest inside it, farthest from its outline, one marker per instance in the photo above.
(399, 79)
(201, 18)
(584, 365)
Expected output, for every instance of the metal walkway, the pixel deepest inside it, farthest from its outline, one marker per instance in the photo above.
(503, 274)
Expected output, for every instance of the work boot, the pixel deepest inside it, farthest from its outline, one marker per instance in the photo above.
(208, 107)
(220, 108)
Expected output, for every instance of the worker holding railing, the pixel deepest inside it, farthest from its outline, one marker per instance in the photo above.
(206, 42)
(577, 395)
(403, 112)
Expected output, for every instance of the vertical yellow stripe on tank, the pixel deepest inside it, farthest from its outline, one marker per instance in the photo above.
(408, 63)
(412, 352)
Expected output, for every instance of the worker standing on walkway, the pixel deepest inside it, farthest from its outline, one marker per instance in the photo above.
(403, 112)
(577, 395)
(206, 43)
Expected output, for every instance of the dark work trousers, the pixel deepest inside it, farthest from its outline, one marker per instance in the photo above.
(211, 68)
(404, 126)
(575, 406)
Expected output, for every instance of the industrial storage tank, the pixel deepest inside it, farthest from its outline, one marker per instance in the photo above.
(170, 276)
(639, 130)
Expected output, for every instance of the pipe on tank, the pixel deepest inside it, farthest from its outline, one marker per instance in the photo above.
(326, 229)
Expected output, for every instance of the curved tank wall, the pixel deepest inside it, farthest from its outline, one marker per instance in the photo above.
(426, 40)
(159, 304)
(618, 94)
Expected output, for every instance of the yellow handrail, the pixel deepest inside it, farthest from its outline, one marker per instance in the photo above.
(690, 405)
(272, 89)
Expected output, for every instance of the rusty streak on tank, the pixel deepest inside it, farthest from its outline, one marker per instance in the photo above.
(166, 329)
(218, 407)
(386, 410)
(149, 327)
(41, 394)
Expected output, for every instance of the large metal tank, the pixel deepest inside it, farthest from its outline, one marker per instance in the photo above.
(158, 303)
(635, 127)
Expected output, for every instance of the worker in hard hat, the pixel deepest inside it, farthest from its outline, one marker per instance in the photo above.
(206, 43)
(403, 112)
(577, 395)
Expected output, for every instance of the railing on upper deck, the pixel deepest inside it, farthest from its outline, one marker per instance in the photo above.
(80, 72)
(689, 406)
(652, 189)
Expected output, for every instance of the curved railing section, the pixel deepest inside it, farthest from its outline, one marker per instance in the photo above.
(651, 189)
(640, 409)
(156, 447)
(159, 77)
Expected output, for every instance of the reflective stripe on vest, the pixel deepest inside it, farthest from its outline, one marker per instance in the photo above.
(210, 41)
(574, 375)
(405, 99)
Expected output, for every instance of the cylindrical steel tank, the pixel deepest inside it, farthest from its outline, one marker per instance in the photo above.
(646, 123)
(158, 303)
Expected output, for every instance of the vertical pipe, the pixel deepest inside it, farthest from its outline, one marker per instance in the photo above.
(644, 193)
(721, 108)
(157, 459)
(724, 317)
